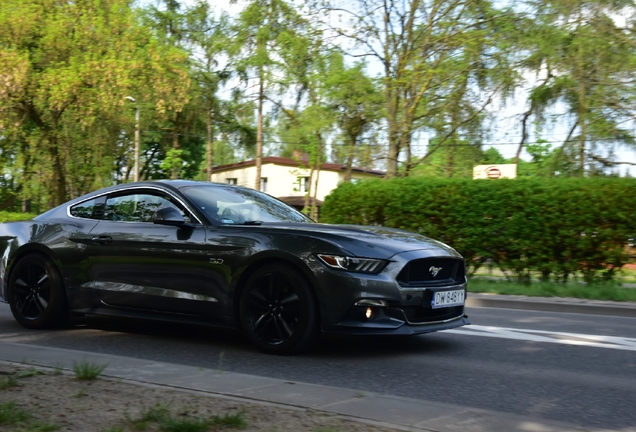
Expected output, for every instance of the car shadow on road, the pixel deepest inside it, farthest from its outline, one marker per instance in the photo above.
(381, 346)
(148, 338)
(234, 340)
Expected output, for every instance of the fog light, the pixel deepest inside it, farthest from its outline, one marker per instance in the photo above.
(369, 313)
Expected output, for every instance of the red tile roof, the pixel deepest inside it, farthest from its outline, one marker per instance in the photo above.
(294, 163)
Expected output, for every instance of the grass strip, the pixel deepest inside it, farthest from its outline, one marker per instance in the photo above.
(599, 291)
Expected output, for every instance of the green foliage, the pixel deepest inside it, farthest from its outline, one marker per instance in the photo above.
(8, 382)
(10, 414)
(557, 229)
(80, 393)
(230, 421)
(69, 68)
(85, 370)
(155, 414)
(455, 160)
(9, 216)
(583, 55)
(41, 427)
(185, 423)
(30, 373)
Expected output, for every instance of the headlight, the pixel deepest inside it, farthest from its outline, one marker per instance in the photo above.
(353, 264)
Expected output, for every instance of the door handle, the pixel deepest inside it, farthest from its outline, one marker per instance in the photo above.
(102, 239)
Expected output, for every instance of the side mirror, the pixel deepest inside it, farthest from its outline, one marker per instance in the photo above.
(168, 216)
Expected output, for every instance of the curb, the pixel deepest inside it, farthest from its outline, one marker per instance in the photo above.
(556, 304)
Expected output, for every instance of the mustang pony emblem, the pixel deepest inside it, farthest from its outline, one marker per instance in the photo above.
(434, 270)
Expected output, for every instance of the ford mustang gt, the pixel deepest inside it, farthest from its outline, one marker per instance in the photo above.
(227, 256)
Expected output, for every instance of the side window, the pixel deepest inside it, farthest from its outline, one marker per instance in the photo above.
(87, 209)
(138, 207)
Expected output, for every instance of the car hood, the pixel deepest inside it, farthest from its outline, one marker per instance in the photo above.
(371, 241)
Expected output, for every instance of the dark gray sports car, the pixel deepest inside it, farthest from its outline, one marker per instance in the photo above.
(227, 256)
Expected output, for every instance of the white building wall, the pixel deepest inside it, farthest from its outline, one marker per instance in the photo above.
(282, 180)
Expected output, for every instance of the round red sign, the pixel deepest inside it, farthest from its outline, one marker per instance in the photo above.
(493, 172)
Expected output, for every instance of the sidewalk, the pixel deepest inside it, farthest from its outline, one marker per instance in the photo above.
(394, 412)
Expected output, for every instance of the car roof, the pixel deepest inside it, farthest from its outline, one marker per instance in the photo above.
(171, 185)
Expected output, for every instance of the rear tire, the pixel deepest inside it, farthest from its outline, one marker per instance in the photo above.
(278, 310)
(36, 293)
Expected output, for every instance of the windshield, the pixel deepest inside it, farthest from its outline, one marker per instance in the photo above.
(237, 205)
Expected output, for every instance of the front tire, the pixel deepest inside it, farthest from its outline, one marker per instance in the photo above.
(278, 310)
(36, 293)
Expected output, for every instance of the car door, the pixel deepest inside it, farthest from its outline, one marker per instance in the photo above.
(136, 263)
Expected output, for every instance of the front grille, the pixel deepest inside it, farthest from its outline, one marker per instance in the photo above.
(433, 272)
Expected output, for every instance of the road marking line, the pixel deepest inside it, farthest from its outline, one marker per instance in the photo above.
(597, 341)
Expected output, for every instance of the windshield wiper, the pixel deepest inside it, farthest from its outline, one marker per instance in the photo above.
(252, 222)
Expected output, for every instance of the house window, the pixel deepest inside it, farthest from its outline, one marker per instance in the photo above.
(264, 184)
(303, 184)
(231, 181)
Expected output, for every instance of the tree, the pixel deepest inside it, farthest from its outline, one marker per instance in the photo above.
(585, 61)
(443, 63)
(356, 99)
(259, 29)
(67, 64)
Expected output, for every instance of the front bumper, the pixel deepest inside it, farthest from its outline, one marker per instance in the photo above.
(396, 327)
(400, 309)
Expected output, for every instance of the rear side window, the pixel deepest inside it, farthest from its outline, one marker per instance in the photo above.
(87, 209)
(135, 207)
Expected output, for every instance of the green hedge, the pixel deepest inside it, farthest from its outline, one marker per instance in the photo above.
(551, 228)
(10, 216)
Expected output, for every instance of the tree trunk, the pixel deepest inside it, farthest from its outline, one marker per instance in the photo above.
(210, 143)
(306, 201)
(394, 151)
(175, 144)
(59, 181)
(259, 134)
(314, 195)
(392, 100)
(348, 168)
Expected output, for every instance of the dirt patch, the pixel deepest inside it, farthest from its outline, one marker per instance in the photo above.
(57, 401)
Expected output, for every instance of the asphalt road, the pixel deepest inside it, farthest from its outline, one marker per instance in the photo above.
(579, 369)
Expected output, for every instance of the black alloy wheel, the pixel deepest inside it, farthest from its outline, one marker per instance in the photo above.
(278, 310)
(36, 293)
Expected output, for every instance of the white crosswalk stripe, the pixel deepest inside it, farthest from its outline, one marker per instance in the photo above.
(597, 341)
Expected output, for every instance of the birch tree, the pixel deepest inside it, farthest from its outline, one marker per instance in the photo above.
(442, 64)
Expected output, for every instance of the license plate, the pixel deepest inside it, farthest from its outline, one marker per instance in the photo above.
(443, 299)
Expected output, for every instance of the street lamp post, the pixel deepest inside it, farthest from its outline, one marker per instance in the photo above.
(137, 140)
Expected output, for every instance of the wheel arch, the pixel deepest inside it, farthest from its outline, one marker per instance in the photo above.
(55, 311)
(275, 258)
(27, 249)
